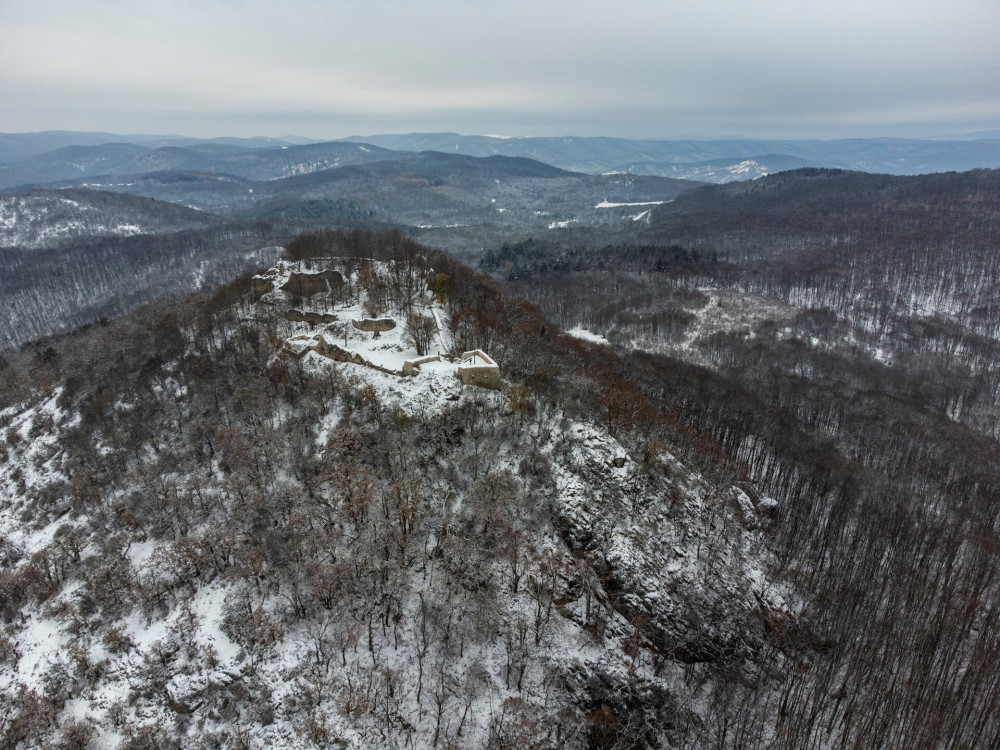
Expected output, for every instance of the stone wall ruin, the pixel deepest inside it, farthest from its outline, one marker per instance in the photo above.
(307, 284)
(476, 368)
(374, 325)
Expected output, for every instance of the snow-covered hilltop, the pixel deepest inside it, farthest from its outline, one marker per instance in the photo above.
(338, 312)
(222, 531)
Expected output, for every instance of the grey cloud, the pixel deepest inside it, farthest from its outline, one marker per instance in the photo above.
(649, 69)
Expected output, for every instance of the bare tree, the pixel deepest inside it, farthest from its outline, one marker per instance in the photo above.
(420, 331)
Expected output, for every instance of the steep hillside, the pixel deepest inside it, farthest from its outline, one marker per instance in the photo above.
(885, 251)
(220, 533)
(809, 208)
(246, 520)
(71, 257)
(837, 334)
(55, 290)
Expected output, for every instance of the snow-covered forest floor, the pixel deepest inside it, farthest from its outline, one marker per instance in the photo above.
(209, 542)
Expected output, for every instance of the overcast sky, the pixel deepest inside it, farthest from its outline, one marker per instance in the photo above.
(656, 69)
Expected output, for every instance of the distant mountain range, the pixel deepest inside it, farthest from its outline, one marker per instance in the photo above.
(15, 146)
(81, 161)
(719, 160)
(42, 158)
(460, 192)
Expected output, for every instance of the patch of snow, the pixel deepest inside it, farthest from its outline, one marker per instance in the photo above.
(563, 224)
(140, 552)
(609, 204)
(208, 605)
(579, 332)
(199, 274)
(40, 643)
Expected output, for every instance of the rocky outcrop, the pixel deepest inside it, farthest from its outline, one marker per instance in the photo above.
(259, 286)
(668, 567)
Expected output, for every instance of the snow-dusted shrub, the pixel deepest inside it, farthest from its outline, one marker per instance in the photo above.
(117, 641)
(9, 655)
(151, 737)
(518, 725)
(27, 715)
(111, 583)
(76, 734)
(250, 627)
(41, 424)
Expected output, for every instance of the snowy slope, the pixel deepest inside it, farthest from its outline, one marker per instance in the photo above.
(404, 561)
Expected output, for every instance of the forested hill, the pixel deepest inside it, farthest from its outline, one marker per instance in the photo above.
(810, 208)
(899, 272)
(56, 290)
(48, 218)
(232, 520)
(884, 251)
(846, 356)
(218, 529)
